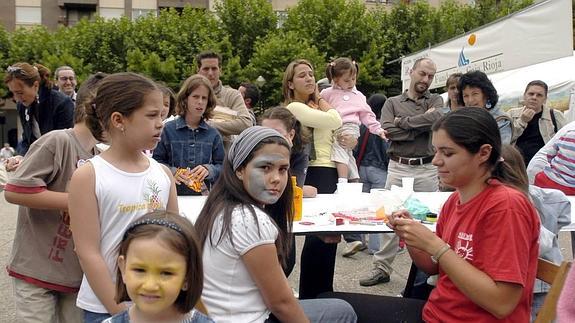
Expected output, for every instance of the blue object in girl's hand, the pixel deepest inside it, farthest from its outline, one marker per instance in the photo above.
(416, 208)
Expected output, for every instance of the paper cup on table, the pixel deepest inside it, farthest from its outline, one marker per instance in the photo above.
(407, 183)
(349, 188)
(348, 195)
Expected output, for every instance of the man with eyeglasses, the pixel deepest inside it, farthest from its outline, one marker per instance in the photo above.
(66, 81)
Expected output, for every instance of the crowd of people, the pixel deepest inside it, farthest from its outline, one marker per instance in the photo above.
(98, 172)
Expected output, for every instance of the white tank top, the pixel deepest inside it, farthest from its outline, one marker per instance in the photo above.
(122, 198)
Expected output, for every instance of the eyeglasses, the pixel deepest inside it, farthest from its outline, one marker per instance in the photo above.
(69, 78)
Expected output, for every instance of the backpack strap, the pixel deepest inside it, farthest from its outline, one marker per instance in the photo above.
(554, 120)
(366, 135)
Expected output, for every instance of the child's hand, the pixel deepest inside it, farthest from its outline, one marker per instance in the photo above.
(182, 175)
(383, 134)
(199, 173)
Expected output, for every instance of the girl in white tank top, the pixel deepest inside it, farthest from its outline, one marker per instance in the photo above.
(118, 186)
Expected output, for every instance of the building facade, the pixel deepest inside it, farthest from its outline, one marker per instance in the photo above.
(54, 13)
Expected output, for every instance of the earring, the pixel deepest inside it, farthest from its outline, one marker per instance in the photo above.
(185, 286)
(488, 105)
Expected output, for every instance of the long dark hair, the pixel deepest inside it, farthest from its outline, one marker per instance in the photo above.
(472, 128)
(228, 193)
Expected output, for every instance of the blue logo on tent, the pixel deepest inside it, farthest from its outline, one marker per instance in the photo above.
(462, 59)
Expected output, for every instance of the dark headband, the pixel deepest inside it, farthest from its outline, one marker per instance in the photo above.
(161, 222)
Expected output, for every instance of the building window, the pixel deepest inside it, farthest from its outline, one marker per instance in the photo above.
(111, 13)
(137, 13)
(28, 15)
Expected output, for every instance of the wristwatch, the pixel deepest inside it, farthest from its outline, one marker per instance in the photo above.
(435, 257)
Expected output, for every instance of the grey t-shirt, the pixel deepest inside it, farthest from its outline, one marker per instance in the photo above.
(43, 248)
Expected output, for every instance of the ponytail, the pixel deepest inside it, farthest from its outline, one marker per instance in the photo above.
(510, 169)
(339, 67)
(93, 122)
(45, 79)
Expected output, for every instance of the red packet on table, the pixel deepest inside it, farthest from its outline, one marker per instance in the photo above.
(363, 215)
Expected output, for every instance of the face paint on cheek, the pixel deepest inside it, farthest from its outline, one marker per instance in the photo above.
(263, 187)
(257, 188)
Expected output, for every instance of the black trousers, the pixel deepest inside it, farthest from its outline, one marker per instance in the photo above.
(377, 309)
(317, 261)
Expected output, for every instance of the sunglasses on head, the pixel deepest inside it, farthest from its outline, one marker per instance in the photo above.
(18, 70)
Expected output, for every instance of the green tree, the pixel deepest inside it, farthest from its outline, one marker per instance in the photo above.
(244, 21)
(29, 44)
(272, 55)
(336, 27)
(102, 43)
(53, 60)
(154, 67)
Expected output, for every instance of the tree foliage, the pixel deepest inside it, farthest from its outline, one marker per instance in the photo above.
(244, 21)
(245, 32)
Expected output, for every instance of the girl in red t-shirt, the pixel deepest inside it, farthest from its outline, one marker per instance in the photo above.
(486, 244)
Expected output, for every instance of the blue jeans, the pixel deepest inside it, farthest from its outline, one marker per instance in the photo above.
(92, 317)
(538, 299)
(325, 310)
(372, 177)
(330, 310)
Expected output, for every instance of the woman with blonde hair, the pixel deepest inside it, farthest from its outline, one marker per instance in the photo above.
(302, 99)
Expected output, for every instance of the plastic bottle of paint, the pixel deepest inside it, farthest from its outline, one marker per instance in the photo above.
(297, 199)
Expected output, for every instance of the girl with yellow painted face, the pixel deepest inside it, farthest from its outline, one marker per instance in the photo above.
(160, 271)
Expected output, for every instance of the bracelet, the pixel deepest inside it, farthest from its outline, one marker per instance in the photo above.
(439, 253)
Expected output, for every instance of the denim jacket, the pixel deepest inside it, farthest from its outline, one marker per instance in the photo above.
(181, 147)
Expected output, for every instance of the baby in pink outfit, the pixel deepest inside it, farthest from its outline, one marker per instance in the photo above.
(354, 111)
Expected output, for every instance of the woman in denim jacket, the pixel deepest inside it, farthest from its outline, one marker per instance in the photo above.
(188, 142)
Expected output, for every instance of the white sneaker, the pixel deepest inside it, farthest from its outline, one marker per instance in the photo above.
(352, 248)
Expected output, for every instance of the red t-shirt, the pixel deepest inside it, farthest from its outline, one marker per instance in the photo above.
(497, 232)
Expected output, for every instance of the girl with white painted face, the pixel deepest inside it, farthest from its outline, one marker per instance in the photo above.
(245, 228)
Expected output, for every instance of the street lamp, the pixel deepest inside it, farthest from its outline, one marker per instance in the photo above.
(260, 81)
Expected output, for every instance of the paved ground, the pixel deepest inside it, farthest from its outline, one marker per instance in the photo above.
(348, 270)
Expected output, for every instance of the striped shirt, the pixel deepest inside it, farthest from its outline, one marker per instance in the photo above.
(561, 168)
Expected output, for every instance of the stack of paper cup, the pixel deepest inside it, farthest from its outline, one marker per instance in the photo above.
(407, 183)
